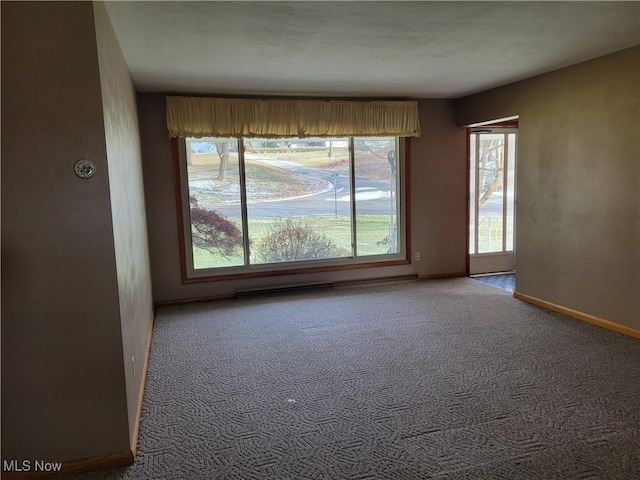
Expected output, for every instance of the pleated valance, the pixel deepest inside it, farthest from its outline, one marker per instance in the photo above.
(237, 117)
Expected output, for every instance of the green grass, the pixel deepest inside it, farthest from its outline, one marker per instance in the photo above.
(371, 229)
(493, 232)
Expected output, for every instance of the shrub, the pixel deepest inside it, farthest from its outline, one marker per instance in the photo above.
(291, 240)
(211, 231)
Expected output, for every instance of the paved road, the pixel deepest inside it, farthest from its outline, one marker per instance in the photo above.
(372, 196)
(492, 207)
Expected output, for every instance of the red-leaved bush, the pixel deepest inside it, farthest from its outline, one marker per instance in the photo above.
(213, 232)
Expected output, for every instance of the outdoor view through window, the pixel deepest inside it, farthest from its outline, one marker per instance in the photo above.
(274, 201)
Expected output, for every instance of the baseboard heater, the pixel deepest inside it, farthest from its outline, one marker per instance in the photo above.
(284, 289)
(313, 287)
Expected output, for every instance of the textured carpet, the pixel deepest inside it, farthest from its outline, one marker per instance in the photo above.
(446, 379)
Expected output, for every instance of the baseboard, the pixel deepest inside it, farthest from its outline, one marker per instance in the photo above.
(102, 462)
(284, 289)
(616, 327)
(145, 368)
(437, 276)
(74, 467)
(292, 288)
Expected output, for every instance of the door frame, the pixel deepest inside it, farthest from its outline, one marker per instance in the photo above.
(505, 261)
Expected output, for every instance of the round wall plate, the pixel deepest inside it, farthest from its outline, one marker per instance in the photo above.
(84, 168)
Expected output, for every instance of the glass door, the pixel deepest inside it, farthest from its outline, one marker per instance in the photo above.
(492, 200)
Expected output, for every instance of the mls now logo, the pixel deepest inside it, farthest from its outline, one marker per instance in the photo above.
(28, 466)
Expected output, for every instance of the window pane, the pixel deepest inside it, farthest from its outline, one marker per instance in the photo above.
(472, 195)
(214, 200)
(490, 215)
(511, 182)
(298, 199)
(376, 197)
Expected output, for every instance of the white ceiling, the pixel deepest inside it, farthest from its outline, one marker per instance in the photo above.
(381, 49)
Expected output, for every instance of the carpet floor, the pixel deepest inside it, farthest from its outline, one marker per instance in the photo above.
(447, 379)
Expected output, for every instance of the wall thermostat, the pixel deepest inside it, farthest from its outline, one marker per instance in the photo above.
(84, 168)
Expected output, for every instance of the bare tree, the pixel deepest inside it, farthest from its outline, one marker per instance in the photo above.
(223, 152)
(492, 163)
(190, 148)
(293, 239)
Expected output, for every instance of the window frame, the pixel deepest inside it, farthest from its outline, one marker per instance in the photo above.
(191, 275)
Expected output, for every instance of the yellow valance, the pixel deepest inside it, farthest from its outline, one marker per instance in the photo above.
(238, 117)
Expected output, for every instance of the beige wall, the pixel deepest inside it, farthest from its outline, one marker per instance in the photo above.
(62, 375)
(438, 207)
(127, 206)
(67, 243)
(578, 184)
(439, 190)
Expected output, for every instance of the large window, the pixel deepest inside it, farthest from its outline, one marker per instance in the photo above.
(260, 205)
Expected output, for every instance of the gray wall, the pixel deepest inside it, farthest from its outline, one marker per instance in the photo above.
(66, 309)
(438, 207)
(578, 201)
(127, 206)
